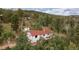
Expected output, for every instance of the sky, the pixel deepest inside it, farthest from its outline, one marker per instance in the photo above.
(57, 11)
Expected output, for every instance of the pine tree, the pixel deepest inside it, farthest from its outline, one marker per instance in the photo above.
(15, 22)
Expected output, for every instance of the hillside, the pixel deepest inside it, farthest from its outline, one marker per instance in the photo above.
(12, 23)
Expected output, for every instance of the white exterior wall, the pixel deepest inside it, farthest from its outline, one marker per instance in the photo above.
(32, 38)
(46, 36)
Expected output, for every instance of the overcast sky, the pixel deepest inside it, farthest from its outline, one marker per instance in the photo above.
(57, 11)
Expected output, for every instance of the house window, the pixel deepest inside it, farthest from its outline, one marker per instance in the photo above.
(48, 33)
(43, 34)
(36, 36)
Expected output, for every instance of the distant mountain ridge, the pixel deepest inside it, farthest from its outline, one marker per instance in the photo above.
(57, 11)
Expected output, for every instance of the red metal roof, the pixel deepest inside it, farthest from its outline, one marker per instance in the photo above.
(40, 32)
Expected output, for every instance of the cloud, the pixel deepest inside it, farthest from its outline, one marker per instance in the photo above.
(57, 11)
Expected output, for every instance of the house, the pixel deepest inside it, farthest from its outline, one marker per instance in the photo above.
(35, 35)
(26, 29)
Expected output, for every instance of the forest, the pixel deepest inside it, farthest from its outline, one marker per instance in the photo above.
(12, 22)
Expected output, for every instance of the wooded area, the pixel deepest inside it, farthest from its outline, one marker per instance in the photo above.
(12, 22)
